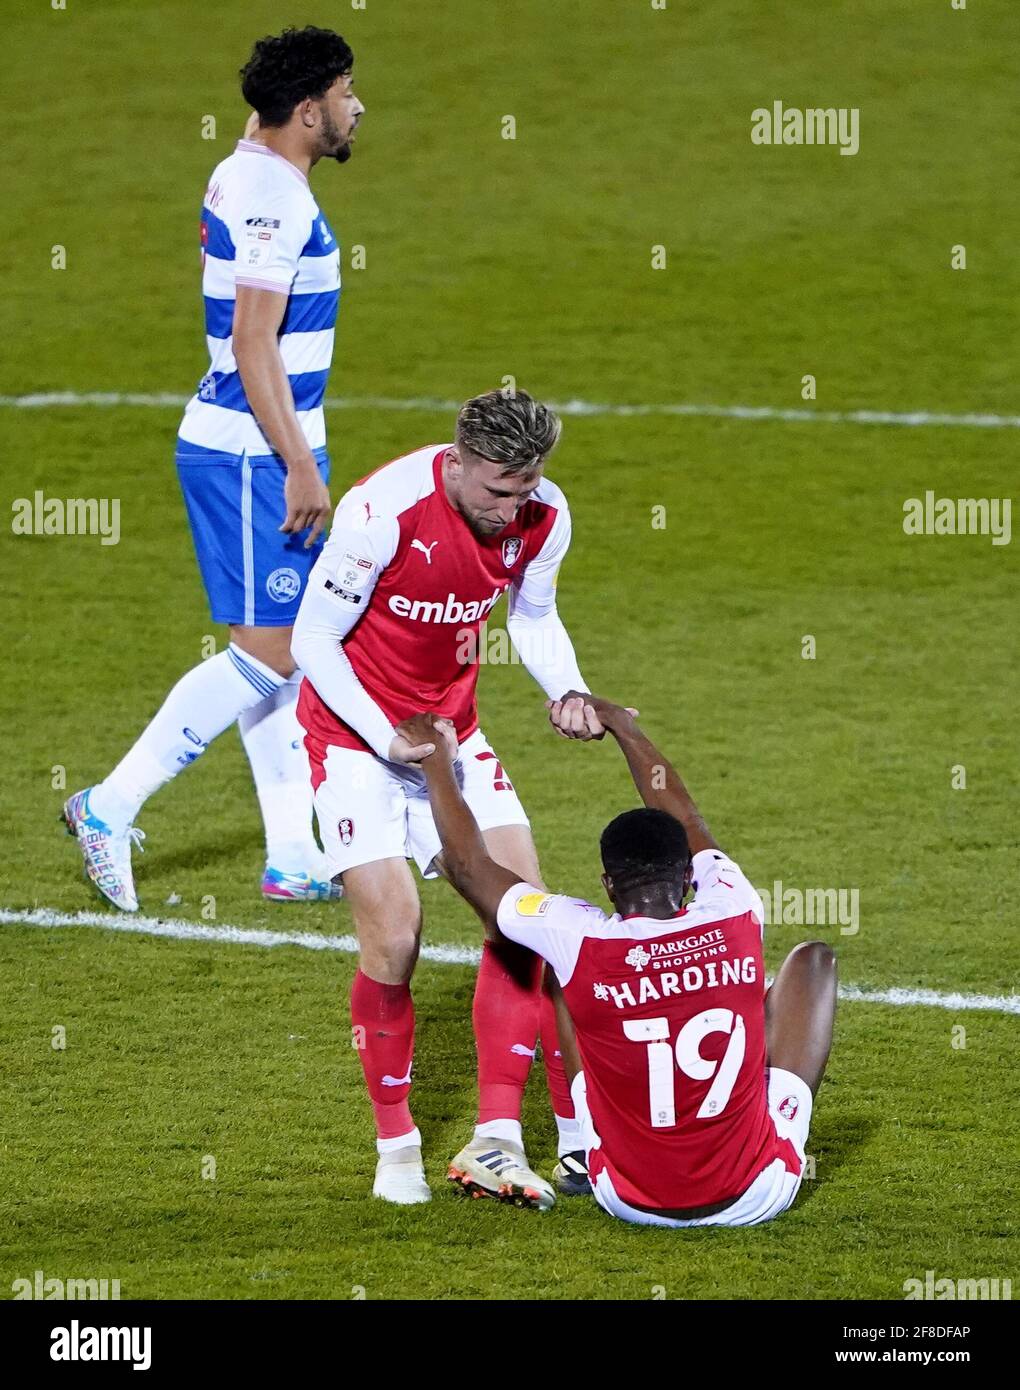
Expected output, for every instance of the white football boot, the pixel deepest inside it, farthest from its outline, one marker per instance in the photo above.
(496, 1168)
(105, 849)
(400, 1177)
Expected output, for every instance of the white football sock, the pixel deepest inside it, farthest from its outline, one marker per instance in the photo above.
(506, 1131)
(274, 742)
(568, 1135)
(410, 1140)
(204, 702)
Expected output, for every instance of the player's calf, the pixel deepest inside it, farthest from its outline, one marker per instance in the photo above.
(800, 1010)
(387, 918)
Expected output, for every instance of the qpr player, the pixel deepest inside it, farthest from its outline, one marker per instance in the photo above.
(693, 1083)
(418, 556)
(252, 464)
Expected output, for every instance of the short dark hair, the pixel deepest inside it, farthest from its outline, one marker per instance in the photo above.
(288, 68)
(510, 428)
(644, 846)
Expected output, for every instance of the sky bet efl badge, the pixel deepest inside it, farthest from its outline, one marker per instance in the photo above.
(258, 233)
(355, 571)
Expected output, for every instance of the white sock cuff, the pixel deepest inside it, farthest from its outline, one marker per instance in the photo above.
(260, 677)
(403, 1141)
(568, 1135)
(506, 1131)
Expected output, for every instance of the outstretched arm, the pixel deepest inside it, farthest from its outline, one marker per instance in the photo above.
(466, 861)
(538, 633)
(657, 780)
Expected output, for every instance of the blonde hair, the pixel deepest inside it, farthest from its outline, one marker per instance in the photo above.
(512, 429)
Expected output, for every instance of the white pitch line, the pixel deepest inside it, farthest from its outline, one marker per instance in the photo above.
(931, 998)
(446, 955)
(233, 936)
(969, 419)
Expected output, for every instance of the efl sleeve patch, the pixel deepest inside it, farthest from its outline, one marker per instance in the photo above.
(260, 237)
(533, 904)
(354, 571)
(269, 234)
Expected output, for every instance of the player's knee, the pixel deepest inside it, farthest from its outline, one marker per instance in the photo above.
(270, 645)
(389, 952)
(817, 957)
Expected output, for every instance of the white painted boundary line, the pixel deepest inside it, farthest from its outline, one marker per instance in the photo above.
(231, 936)
(446, 955)
(796, 415)
(932, 999)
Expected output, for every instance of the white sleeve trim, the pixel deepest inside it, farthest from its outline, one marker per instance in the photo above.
(722, 888)
(537, 585)
(338, 592)
(544, 646)
(535, 627)
(249, 282)
(270, 225)
(317, 647)
(549, 926)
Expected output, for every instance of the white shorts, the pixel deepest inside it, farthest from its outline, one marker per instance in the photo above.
(772, 1191)
(371, 809)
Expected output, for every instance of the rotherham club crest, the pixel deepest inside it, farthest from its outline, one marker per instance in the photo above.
(511, 549)
(346, 829)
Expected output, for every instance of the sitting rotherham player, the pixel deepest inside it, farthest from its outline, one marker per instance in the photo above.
(692, 1082)
(419, 554)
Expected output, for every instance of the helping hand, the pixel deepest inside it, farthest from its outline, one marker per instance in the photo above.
(586, 717)
(421, 736)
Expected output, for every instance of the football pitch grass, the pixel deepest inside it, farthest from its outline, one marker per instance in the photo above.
(533, 257)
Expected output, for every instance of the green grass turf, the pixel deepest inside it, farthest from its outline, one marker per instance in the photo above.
(533, 257)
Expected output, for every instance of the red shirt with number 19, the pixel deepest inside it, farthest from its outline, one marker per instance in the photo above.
(422, 583)
(670, 1025)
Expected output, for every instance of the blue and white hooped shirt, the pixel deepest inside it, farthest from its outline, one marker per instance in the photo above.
(262, 227)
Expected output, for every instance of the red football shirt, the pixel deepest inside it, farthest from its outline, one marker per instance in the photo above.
(670, 1025)
(416, 584)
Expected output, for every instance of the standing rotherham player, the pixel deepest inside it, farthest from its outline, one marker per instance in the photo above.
(252, 462)
(697, 1084)
(418, 556)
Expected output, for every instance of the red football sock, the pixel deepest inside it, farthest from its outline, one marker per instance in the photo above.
(383, 1017)
(505, 1016)
(555, 1074)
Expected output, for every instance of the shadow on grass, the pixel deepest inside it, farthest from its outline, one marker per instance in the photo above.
(444, 1098)
(445, 1091)
(833, 1143)
(200, 854)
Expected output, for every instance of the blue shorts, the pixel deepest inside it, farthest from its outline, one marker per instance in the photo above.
(254, 575)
